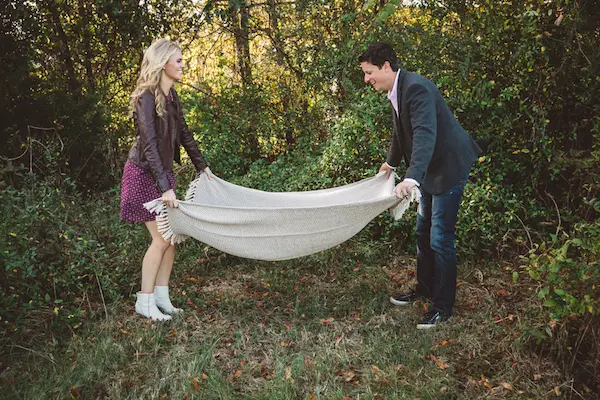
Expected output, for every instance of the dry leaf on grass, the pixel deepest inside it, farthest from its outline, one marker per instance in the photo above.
(288, 375)
(348, 376)
(376, 370)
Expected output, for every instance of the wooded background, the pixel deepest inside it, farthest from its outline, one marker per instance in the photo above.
(276, 99)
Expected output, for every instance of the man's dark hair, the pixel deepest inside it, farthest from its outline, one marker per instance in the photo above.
(378, 53)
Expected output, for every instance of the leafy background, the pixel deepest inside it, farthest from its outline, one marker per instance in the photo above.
(276, 100)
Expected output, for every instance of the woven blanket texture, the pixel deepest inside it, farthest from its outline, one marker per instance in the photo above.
(274, 226)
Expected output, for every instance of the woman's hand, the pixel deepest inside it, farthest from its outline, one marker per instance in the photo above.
(208, 173)
(169, 199)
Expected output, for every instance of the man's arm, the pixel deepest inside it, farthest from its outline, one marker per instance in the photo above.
(421, 103)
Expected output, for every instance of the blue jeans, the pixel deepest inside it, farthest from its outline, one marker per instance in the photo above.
(436, 253)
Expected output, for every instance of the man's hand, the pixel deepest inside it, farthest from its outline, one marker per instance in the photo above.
(403, 189)
(387, 168)
(170, 199)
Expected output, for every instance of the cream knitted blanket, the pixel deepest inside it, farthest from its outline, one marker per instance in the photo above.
(276, 225)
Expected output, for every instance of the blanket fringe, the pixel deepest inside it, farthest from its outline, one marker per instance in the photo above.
(162, 221)
(191, 191)
(400, 209)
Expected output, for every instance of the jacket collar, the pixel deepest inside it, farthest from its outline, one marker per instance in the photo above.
(401, 78)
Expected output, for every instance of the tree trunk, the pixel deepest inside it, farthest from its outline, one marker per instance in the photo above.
(65, 52)
(85, 34)
(239, 18)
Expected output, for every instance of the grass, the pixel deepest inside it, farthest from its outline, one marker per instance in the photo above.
(320, 327)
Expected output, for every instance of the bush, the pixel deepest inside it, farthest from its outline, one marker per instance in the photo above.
(64, 255)
(568, 271)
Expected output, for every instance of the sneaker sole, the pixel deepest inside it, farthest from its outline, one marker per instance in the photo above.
(399, 303)
(429, 326)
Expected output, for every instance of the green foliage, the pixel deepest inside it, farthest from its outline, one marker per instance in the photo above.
(568, 269)
(282, 106)
(61, 255)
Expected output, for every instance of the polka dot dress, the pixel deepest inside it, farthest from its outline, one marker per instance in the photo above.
(138, 187)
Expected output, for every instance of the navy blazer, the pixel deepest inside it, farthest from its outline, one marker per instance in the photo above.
(436, 149)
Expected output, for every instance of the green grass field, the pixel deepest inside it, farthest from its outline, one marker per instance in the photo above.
(320, 327)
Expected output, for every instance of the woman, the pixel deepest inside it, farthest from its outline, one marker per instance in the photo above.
(160, 130)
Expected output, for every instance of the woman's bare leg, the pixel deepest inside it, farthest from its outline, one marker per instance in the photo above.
(166, 266)
(154, 258)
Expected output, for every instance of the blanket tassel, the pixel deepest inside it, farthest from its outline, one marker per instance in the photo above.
(191, 191)
(162, 221)
(400, 209)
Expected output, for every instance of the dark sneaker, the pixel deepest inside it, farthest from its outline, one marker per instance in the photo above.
(432, 318)
(405, 299)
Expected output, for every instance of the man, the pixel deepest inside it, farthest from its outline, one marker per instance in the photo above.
(439, 155)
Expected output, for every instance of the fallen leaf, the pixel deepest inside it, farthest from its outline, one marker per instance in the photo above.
(444, 343)
(288, 374)
(557, 390)
(441, 364)
(204, 376)
(348, 376)
(537, 377)
(237, 374)
(443, 389)
(196, 384)
(306, 362)
(376, 370)
(74, 392)
(507, 386)
(284, 344)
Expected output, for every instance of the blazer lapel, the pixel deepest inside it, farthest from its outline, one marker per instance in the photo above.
(401, 78)
(404, 140)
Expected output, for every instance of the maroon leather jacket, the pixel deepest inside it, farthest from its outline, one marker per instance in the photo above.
(158, 139)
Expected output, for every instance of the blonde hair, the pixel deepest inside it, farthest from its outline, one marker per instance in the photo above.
(155, 58)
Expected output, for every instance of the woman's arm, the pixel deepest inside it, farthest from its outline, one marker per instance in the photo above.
(145, 110)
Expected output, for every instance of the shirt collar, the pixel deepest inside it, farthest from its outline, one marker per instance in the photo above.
(393, 94)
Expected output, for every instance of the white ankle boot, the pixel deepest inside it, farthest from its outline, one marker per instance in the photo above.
(146, 305)
(161, 294)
